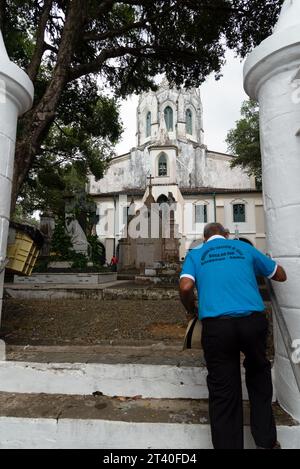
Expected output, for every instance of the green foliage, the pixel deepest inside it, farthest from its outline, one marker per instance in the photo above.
(61, 241)
(97, 254)
(47, 187)
(184, 39)
(23, 217)
(78, 143)
(63, 250)
(244, 141)
(79, 261)
(41, 265)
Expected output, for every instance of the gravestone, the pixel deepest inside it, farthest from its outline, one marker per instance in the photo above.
(153, 248)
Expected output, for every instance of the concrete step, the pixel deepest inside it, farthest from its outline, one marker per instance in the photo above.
(127, 276)
(36, 291)
(95, 422)
(70, 278)
(121, 289)
(151, 372)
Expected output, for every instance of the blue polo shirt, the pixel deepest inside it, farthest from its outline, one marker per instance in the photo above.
(225, 275)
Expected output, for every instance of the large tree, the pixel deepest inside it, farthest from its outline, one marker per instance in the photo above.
(244, 141)
(67, 45)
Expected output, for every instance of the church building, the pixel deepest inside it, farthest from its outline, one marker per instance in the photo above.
(172, 162)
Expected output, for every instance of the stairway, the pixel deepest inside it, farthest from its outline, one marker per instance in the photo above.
(111, 397)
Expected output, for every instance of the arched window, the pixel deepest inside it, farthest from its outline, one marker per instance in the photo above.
(169, 118)
(148, 125)
(239, 213)
(162, 199)
(189, 122)
(162, 165)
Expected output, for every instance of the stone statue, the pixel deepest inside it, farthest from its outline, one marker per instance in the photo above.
(78, 237)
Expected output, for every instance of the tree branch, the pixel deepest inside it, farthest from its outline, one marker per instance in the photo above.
(50, 47)
(145, 52)
(33, 67)
(114, 32)
(104, 6)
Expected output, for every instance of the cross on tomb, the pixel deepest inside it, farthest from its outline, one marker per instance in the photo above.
(150, 179)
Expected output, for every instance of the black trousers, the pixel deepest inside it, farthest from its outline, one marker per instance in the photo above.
(222, 341)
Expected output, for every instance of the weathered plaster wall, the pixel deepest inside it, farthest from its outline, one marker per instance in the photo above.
(189, 162)
(219, 174)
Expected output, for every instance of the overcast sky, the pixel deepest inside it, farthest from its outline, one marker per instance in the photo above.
(221, 106)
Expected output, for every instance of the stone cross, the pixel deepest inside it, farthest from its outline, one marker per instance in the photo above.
(150, 179)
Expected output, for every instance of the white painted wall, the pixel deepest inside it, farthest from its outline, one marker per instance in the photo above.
(16, 96)
(270, 73)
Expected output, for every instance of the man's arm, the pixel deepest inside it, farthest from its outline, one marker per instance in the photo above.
(187, 296)
(280, 275)
(267, 267)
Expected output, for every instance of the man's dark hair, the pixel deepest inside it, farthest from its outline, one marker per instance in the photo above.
(214, 229)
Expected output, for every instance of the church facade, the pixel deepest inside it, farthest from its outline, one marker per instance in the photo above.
(171, 162)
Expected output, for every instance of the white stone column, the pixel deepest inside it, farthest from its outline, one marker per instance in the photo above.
(16, 96)
(271, 73)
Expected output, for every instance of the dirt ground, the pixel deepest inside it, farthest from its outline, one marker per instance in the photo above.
(84, 322)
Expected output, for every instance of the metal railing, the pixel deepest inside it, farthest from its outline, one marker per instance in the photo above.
(285, 333)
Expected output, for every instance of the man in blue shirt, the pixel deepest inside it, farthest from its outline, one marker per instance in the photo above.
(232, 312)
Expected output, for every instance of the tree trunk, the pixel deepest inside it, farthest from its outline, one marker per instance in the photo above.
(37, 122)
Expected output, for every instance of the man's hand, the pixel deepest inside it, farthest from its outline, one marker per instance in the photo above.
(191, 316)
(280, 275)
(187, 296)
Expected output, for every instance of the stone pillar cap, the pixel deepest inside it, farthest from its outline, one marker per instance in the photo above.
(14, 81)
(279, 51)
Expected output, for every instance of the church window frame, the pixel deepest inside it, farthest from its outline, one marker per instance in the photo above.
(189, 121)
(125, 213)
(162, 165)
(239, 212)
(148, 124)
(201, 213)
(169, 118)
